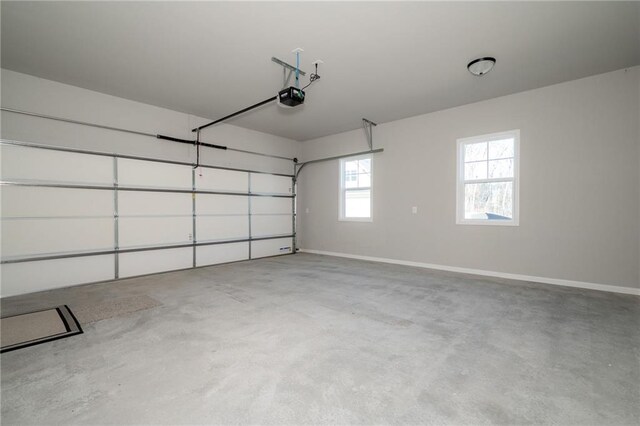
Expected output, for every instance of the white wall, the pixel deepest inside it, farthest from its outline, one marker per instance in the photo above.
(28, 93)
(65, 227)
(579, 178)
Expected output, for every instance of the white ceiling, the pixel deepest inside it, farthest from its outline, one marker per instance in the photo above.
(383, 61)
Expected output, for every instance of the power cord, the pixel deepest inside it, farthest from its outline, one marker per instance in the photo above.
(312, 77)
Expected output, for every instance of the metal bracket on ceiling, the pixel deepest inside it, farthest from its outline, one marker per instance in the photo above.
(368, 130)
(287, 66)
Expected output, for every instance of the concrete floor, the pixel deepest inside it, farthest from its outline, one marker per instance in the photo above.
(315, 339)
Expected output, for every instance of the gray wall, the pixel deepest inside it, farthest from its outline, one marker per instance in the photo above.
(579, 177)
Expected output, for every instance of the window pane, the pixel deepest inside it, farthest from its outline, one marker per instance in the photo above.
(351, 166)
(351, 180)
(475, 151)
(477, 170)
(501, 149)
(357, 203)
(501, 168)
(364, 181)
(364, 166)
(493, 201)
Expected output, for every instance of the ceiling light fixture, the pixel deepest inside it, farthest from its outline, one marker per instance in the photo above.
(481, 66)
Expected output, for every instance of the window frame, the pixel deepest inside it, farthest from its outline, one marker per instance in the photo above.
(460, 181)
(342, 190)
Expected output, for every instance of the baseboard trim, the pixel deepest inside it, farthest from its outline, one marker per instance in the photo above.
(517, 277)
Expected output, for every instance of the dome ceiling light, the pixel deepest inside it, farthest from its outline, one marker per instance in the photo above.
(481, 66)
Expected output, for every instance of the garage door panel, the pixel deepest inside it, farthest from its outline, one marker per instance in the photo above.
(24, 201)
(222, 180)
(271, 205)
(24, 163)
(221, 204)
(262, 226)
(154, 261)
(23, 237)
(221, 253)
(213, 228)
(273, 247)
(47, 220)
(154, 203)
(29, 277)
(142, 173)
(147, 231)
(270, 184)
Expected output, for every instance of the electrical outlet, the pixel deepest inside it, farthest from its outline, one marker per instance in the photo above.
(190, 237)
(414, 210)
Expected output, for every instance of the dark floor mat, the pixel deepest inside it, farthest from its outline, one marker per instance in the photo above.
(33, 328)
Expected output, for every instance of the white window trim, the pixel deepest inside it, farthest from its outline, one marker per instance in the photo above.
(342, 190)
(460, 219)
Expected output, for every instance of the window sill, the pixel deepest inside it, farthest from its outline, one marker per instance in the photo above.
(355, 219)
(486, 222)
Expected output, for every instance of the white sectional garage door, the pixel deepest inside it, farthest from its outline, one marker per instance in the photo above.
(70, 218)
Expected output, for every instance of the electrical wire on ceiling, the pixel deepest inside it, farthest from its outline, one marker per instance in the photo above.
(289, 97)
(314, 75)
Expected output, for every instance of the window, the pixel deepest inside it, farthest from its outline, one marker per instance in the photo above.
(355, 188)
(487, 190)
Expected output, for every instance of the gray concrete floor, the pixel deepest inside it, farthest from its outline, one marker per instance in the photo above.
(315, 339)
